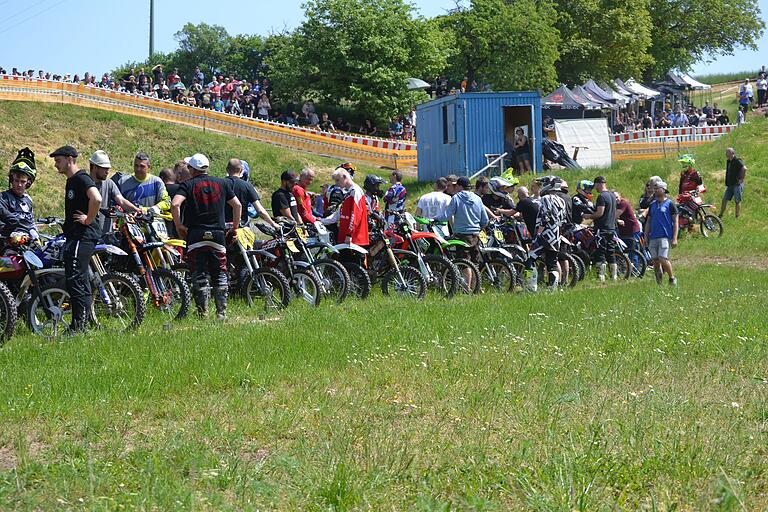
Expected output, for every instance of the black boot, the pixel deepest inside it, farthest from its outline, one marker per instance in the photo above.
(220, 296)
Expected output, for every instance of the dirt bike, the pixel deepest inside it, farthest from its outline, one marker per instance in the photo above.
(168, 291)
(383, 263)
(350, 256)
(587, 242)
(438, 271)
(281, 252)
(693, 210)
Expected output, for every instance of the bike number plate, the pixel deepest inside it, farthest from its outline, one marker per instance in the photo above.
(498, 235)
(291, 246)
(302, 233)
(483, 237)
(160, 229)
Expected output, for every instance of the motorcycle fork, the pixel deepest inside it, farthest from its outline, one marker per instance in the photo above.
(97, 271)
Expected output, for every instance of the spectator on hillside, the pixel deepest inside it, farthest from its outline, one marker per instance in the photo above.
(218, 104)
(341, 124)
(646, 122)
(157, 73)
(432, 205)
(395, 128)
(723, 118)
(308, 107)
(263, 106)
(312, 120)
(367, 128)
(198, 75)
(162, 90)
(325, 124)
(762, 89)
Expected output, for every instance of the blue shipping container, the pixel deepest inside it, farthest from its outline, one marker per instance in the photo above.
(456, 132)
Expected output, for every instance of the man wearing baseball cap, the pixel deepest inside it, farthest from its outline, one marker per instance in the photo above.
(283, 200)
(110, 195)
(204, 198)
(81, 206)
(604, 219)
(661, 230)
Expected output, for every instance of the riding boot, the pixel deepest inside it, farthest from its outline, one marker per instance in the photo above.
(531, 279)
(614, 271)
(601, 272)
(201, 300)
(220, 297)
(554, 279)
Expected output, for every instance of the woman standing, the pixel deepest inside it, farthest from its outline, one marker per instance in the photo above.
(522, 151)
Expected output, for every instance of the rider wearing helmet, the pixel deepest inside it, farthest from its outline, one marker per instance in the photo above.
(372, 187)
(551, 217)
(690, 179)
(582, 201)
(498, 200)
(15, 204)
(565, 229)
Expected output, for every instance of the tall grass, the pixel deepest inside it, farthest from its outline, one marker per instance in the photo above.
(719, 78)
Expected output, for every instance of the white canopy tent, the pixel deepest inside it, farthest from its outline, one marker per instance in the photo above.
(641, 90)
(695, 84)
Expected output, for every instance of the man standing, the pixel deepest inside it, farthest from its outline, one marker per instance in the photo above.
(81, 205)
(394, 199)
(529, 209)
(283, 201)
(110, 195)
(303, 196)
(735, 172)
(352, 215)
(144, 189)
(245, 193)
(206, 197)
(605, 228)
(469, 217)
(432, 205)
(661, 232)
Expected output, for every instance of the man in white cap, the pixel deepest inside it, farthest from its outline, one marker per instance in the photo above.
(110, 195)
(661, 230)
(205, 198)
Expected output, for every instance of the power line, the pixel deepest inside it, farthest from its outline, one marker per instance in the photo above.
(35, 15)
(29, 8)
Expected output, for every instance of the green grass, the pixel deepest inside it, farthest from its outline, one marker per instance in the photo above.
(624, 396)
(719, 78)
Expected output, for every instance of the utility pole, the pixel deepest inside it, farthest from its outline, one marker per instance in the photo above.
(151, 27)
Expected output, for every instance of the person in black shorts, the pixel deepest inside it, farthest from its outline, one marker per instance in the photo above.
(205, 198)
(81, 207)
(605, 229)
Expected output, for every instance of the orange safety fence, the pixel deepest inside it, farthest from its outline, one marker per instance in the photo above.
(381, 152)
(651, 150)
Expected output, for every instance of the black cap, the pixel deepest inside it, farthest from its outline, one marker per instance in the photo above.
(289, 176)
(600, 179)
(65, 151)
(464, 182)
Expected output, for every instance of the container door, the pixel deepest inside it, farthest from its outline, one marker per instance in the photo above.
(517, 121)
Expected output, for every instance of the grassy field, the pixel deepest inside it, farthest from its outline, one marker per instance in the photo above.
(619, 396)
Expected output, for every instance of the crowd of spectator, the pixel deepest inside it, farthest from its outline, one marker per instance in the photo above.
(679, 118)
(228, 94)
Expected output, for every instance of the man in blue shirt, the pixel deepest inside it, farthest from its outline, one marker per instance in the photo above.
(661, 229)
(469, 217)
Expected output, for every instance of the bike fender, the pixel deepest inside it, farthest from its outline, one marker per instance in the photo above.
(403, 252)
(302, 264)
(497, 250)
(351, 247)
(260, 252)
(111, 249)
(455, 243)
(324, 245)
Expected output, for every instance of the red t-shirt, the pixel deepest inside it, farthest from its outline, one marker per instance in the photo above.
(353, 220)
(631, 225)
(689, 180)
(303, 204)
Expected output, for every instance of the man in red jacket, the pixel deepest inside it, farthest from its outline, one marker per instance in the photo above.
(303, 197)
(352, 216)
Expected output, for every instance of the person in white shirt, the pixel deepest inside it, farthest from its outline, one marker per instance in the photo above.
(433, 204)
(762, 87)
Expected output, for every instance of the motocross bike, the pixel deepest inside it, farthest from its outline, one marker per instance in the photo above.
(383, 263)
(168, 291)
(282, 252)
(441, 243)
(693, 210)
(587, 243)
(350, 256)
(438, 271)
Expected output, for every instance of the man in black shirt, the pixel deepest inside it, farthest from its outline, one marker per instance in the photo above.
(205, 198)
(245, 193)
(81, 206)
(283, 200)
(604, 220)
(735, 172)
(529, 209)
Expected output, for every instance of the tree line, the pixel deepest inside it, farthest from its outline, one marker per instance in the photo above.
(359, 53)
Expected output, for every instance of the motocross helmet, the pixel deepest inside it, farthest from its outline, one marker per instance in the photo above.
(687, 161)
(585, 186)
(347, 166)
(564, 187)
(498, 184)
(550, 184)
(24, 164)
(509, 175)
(372, 183)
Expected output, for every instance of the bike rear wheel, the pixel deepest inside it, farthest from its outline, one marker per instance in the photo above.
(638, 262)
(8, 314)
(445, 273)
(359, 280)
(118, 304)
(307, 287)
(267, 286)
(623, 265)
(465, 267)
(711, 225)
(408, 282)
(335, 278)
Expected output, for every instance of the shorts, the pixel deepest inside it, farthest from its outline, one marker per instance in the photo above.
(473, 241)
(733, 192)
(659, 248)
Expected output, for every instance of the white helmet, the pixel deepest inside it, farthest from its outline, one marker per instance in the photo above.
(497, 184)
(550, 184)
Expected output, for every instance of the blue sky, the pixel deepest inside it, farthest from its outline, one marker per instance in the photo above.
(74, 36)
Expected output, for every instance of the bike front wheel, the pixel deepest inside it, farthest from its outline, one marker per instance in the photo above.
(175, 298)
(267, 286)
(307, 287)
(405, 281)
(711, 225)
(445, 274)
(118, 302)
(50, 313)
(500, 275)
(335, 278)
(359, 280)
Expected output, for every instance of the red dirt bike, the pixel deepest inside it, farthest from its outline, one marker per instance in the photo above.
(693, 210)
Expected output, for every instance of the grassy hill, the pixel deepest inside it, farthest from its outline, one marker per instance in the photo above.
(622, 396)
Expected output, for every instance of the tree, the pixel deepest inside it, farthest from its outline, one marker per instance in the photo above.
(359, 51)
(201, 45)
(508, 45)
(688, 31)
(603, 39)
